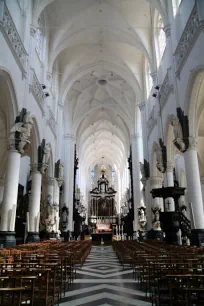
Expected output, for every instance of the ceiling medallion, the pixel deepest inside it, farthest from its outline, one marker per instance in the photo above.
(102, 82)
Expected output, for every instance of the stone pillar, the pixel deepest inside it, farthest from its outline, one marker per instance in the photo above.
(156, 233)
(193, 183)
(156, 182)
(33, 217)
(8, 206)
(58, 184)
(69, 178)
(1, 189)
(136, 177)
(169, 202)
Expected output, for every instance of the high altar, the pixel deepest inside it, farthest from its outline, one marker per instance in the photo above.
(102, 211)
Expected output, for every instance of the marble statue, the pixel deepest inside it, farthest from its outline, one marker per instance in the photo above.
(46, 156)
(64, 218)
(61, 171)
(142, 217)
(156, 220)
(49, 211)
(24, 128)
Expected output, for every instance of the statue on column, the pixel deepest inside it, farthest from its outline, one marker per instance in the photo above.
(156, 219)
(46, 156)
(24, 130)
(142, 218)
(48, 213)
(64, 218)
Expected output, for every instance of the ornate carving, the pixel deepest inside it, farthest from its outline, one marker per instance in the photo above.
(166, 89)
(167, 30)
(144, 169)
(51, 122)
(64, 218)
(8, 28)
(181, 130)
(21, 130)
(36, 89)
(141, 106)
(49, 211)
(142, 217)
(152, 121)
(46, 156)
(51, 181)
(156, 219)
(192, 30)
(59, 172)
(193, 142)
(161, 157)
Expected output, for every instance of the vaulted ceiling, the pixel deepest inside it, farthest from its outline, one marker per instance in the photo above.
(100, 47)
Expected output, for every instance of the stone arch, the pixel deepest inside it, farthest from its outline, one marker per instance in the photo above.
(8, 113)
(193, 95)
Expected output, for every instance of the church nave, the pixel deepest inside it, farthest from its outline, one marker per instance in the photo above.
(102, 281)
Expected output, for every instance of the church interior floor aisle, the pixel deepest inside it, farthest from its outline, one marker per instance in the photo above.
(102, 281)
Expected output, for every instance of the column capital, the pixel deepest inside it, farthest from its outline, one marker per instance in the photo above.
(49, 76)
(50, 181)
(154, 76)
(156, 180)
(69, 137)
(61, 106)
(142, 106)
(170, 166)
(33, 31)
(35, 168)
(136, 136)
(193, 142)
(167, 30)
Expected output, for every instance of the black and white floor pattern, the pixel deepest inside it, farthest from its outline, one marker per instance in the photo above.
(102, 281)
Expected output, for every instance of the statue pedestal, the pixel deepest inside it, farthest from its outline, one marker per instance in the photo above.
(197, 237)
(155, 235)
(7, 239)
(33, 237)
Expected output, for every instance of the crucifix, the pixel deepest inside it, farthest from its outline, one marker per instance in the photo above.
(168, 204)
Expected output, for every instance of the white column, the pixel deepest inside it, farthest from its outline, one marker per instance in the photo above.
(193, 183)
(156, 182)
(169, 202)
(34, 205)
(58, 184)
(8, 207)
(136, 177)
(50, 187)
(69, 178)
(1, 189)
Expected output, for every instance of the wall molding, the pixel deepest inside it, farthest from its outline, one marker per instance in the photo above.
(190, 34)
(10, 33)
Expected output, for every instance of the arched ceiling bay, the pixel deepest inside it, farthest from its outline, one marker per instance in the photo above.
(100, 47)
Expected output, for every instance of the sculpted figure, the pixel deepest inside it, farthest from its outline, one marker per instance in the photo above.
(61, 171)
(64, 218)
(156, 220)
(142, 217)
(24, 128)
(46, 156)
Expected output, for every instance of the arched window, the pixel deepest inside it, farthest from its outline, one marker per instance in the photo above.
(160, 38)
(149, 81)
(175, 6)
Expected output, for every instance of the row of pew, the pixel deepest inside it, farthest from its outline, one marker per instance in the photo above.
(169, 274)
(40, 273)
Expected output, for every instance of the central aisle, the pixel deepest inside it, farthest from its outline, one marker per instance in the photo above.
(102, 281)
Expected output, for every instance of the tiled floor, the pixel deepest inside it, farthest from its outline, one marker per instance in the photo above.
(102, 281)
